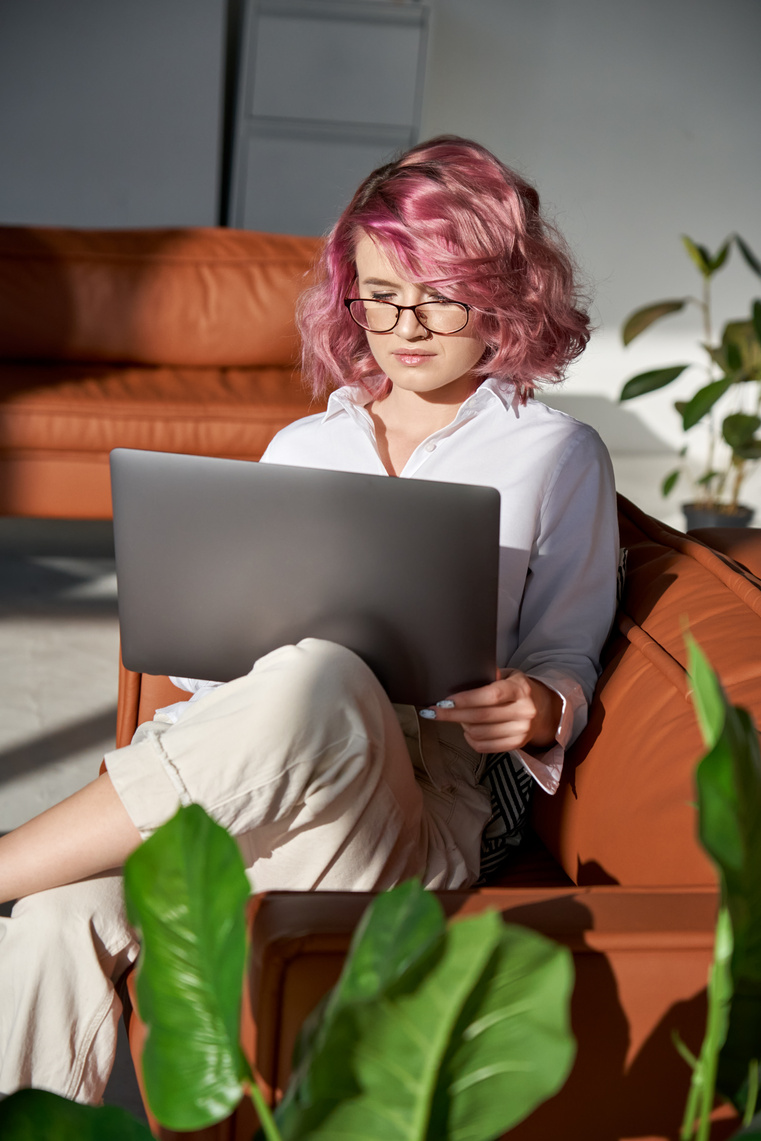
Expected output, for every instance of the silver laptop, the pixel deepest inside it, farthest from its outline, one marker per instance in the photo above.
(220, 561)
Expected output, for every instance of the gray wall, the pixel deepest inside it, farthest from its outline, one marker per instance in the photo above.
(638, 122)
(110, 111)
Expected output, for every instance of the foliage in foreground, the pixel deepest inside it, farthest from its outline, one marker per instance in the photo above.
(433, 1030)
(729, 813)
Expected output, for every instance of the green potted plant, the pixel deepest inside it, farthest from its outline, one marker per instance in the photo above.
(731, 373)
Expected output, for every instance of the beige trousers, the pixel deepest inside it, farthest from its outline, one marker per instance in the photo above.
(324, 784)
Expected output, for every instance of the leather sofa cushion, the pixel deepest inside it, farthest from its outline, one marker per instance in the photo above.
(625, 811)
(92, 409)
(202, 296)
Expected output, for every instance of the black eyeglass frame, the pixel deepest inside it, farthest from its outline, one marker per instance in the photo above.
(349, 301)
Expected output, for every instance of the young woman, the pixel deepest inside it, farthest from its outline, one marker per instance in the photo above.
(443, 300)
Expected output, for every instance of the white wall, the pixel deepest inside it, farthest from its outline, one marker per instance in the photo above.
(110, 111)
(638, 122)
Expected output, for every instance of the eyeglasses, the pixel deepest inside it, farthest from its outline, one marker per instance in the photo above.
(382, 316)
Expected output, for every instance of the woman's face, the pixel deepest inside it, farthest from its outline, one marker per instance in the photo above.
(436, 366)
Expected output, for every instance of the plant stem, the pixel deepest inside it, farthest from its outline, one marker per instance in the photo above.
(752, 1099)
(739, 466)
(719, 993)
(687, 1131)
(705, 307)
(703, 1085)
(264, 1113)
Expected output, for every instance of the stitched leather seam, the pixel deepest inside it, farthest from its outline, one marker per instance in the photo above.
(655, 653)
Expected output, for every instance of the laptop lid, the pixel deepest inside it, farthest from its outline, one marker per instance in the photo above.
(221, 561)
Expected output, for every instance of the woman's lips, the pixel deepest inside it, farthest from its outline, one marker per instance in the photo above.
(413, 358)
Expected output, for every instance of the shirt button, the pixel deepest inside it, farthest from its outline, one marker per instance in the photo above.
(430, 447)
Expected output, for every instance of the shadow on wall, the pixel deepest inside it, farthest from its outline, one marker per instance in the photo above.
(621, 429)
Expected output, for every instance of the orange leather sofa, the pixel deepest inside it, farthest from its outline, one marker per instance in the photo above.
(172, 340)
(612, 867)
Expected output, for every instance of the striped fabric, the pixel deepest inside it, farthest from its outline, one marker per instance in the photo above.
(509, 786)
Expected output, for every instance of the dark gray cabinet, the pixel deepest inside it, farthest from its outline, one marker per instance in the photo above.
(327, 90)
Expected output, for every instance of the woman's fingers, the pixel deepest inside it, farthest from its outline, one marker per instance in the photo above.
(497, 744)
(502, 699)
(510, 712)
(500, 738)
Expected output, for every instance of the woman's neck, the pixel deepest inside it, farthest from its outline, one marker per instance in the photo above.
(403, 419)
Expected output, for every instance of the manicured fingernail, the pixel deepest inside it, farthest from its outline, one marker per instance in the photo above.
(445, 704)
(428, 714)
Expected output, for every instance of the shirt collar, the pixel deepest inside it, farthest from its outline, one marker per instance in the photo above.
(350, 398)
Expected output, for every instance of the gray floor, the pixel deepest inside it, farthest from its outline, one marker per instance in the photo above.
(58, 654)
(59, 651)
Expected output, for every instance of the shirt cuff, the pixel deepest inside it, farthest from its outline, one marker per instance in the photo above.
(546, 767)
(193, 684)
(171, 714)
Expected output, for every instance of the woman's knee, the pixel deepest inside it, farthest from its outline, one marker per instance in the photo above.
(91, 910)
(319, 670)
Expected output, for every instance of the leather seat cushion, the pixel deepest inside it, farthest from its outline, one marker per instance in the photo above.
(92, 409)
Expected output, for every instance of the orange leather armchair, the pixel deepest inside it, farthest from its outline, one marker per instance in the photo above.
(612, 867)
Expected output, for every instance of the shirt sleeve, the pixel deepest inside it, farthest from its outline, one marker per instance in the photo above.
(569, 597)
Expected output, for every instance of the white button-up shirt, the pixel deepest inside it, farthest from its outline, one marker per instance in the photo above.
(558, 528)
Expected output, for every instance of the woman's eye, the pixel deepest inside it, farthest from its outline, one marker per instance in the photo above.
(381, 296)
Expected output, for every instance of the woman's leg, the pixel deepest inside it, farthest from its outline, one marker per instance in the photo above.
(59, 953)
(84, 834)
(302, 760)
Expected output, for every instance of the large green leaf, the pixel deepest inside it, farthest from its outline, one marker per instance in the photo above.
(454, 1032)
(729, 799)
(703, 401)
(751, 1132)
(36, 1115)
(650, 381)
(699, 254)
(756, 319)
(643, 318)
(186, 890)
(739, 429)
(670, 482)
(707, 695)
(718, 259)
(741, 349)
(401, 929)
(748, 254)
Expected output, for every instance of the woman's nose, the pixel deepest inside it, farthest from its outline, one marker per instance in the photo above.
(409, 327)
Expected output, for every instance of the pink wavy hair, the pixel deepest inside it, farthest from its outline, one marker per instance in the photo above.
(451, 215)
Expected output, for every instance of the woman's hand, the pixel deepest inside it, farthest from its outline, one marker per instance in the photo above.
(513, 712)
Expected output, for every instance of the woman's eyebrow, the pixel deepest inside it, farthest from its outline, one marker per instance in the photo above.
(394, 284)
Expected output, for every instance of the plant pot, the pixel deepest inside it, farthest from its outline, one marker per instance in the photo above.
(718, 516)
